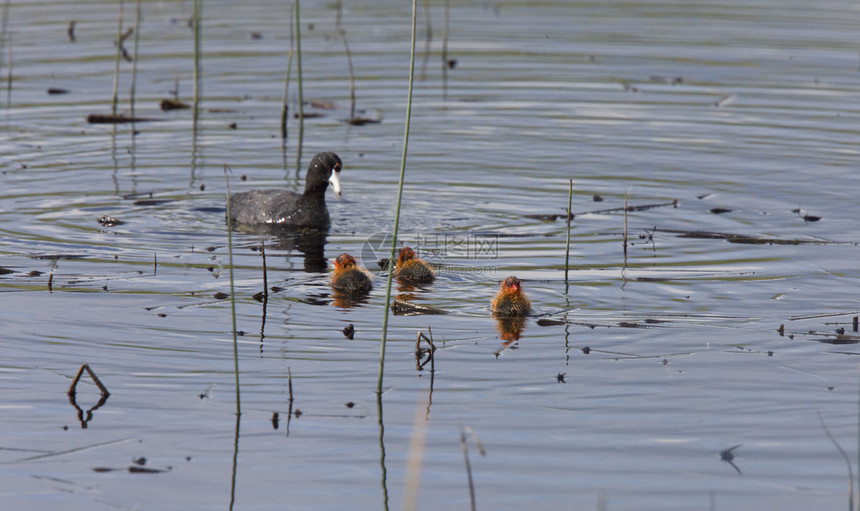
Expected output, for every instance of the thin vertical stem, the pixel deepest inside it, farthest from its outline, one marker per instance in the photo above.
(569, 218)
(134, 61)
(351, 76)
(116, 59)
(445, 51)
(301, 97)
(196, 101)
(232, 299)
(397, 209)
(464, 448)
(6, 38)
(286, 108)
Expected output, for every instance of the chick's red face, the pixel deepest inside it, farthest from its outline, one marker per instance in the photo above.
(512, 284)
(405, 254)
(344, 261)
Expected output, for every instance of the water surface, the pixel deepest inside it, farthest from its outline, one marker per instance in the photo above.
(667, 358)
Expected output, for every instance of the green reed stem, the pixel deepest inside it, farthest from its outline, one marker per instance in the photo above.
(134, 61)
(285, 111)
(116, 60)
(298, 26)
(6, 38)
(397, 210)
(232, 297)
(351, 76)
(197, 8)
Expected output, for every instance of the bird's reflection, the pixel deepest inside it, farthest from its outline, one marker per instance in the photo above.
(309, 242)
(510, 329)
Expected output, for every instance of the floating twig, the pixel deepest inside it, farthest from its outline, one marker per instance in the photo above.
(404, 308)
(115, 119)
(172, 104)
(641, 207)
(748, 239)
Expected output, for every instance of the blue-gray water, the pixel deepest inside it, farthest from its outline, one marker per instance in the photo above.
(750, 107)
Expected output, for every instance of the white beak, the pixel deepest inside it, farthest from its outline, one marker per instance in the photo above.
(334, 181)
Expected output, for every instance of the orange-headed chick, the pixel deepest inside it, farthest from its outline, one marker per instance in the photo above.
(348, 278)
(511, 301)
(411, 269)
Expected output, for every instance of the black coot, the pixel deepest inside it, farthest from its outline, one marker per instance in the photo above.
(282, 208)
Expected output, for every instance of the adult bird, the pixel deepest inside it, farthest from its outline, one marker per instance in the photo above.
(291, 210)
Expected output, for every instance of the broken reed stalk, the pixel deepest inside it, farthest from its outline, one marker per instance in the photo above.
(567, 247)
(154, 263)
(351, 76)
(196, 101)
(134, 61)
(86, 367)
(285, 111)
(116, 60)
(626, 195)
(290, 411)
(265, 298)
(298, 29)
(265, 272)
(387, 307)
(232, 295)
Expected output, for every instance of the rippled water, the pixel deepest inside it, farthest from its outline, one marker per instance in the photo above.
(667, 358)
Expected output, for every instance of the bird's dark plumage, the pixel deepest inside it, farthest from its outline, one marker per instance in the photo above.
(282, 208)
